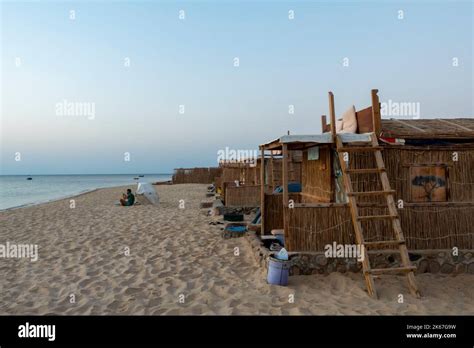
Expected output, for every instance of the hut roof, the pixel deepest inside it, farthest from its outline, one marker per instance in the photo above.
(454, 128)
(302, 141)
(447, 128)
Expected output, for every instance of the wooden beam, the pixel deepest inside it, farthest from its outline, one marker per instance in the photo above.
(284, 163)
(272, 177)
(262, 192)
(376, 117)
(323, 123)
(332, 114)
(285, 194)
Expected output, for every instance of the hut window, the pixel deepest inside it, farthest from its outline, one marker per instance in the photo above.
(313, 153)
(428, 183)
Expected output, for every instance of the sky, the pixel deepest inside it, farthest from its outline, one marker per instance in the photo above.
(166, 91)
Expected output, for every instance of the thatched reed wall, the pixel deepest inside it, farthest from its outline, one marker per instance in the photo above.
(231, 174)
(424, 226)
(274, 210)
(294, 170)
(398, 160)
(242, 196)
(225, 185)
(251, 175)
(195, 175)
(218, 182)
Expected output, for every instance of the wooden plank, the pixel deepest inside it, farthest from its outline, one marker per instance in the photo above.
(377, 217)
(285, 174)
(360, 148)
(272, 175)
(392, 270)
(262, 191)
(383, 243)
(323, 123)
(285, 194)
(376, 117)
(365, 170)
(371, 193)
(332, 113)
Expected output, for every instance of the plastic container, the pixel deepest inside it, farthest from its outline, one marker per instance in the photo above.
(281, 238)
(278, 272)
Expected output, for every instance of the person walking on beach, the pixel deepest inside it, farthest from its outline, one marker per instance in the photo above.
(128, 199)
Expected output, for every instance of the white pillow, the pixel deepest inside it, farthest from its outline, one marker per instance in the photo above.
(349, 121)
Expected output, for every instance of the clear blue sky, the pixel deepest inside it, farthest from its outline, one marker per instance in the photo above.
(190, 62)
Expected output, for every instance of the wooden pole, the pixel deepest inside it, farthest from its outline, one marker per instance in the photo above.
(262, 191)
(323, 123)
(285, 173)
(255, 178)
(285, 192)
(332, 114)
(376, 118)
(272, 178)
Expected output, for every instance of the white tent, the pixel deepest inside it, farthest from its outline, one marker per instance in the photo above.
(146, 189)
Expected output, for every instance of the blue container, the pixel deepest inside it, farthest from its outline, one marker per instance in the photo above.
(281, 238)
(278, 272)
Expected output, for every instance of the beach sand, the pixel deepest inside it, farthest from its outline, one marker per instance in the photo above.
(178, 264)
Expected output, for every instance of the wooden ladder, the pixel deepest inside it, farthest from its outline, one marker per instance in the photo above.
(399, 241)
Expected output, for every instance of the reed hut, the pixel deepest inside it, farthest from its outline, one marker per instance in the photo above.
(240, 182)
(236, 174)
(196, 175)
(429, 164)
(239, 185)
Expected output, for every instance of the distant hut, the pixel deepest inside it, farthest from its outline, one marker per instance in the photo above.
(195, 175)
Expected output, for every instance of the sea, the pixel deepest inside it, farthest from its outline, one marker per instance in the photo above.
(18, 191)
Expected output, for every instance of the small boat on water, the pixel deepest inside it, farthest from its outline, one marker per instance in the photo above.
(141, 176)
(136, 178)
(29, 178)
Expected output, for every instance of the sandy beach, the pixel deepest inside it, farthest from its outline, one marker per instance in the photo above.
(177, 264)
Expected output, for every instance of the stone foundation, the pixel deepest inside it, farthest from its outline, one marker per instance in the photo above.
(426, 261)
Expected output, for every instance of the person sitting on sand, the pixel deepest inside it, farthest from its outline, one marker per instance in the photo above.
(127, 199)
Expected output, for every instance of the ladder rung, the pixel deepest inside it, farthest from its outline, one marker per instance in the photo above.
(359, 148)
(383, 243)
(373, 217)
(365, 170)
(392, 270)
(371, 193)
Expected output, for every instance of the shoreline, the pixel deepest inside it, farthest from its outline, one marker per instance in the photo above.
(77, 194)
(34, 204)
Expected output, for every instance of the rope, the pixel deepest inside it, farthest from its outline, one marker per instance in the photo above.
(444, 237)
(435, 211)
(321, 231)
